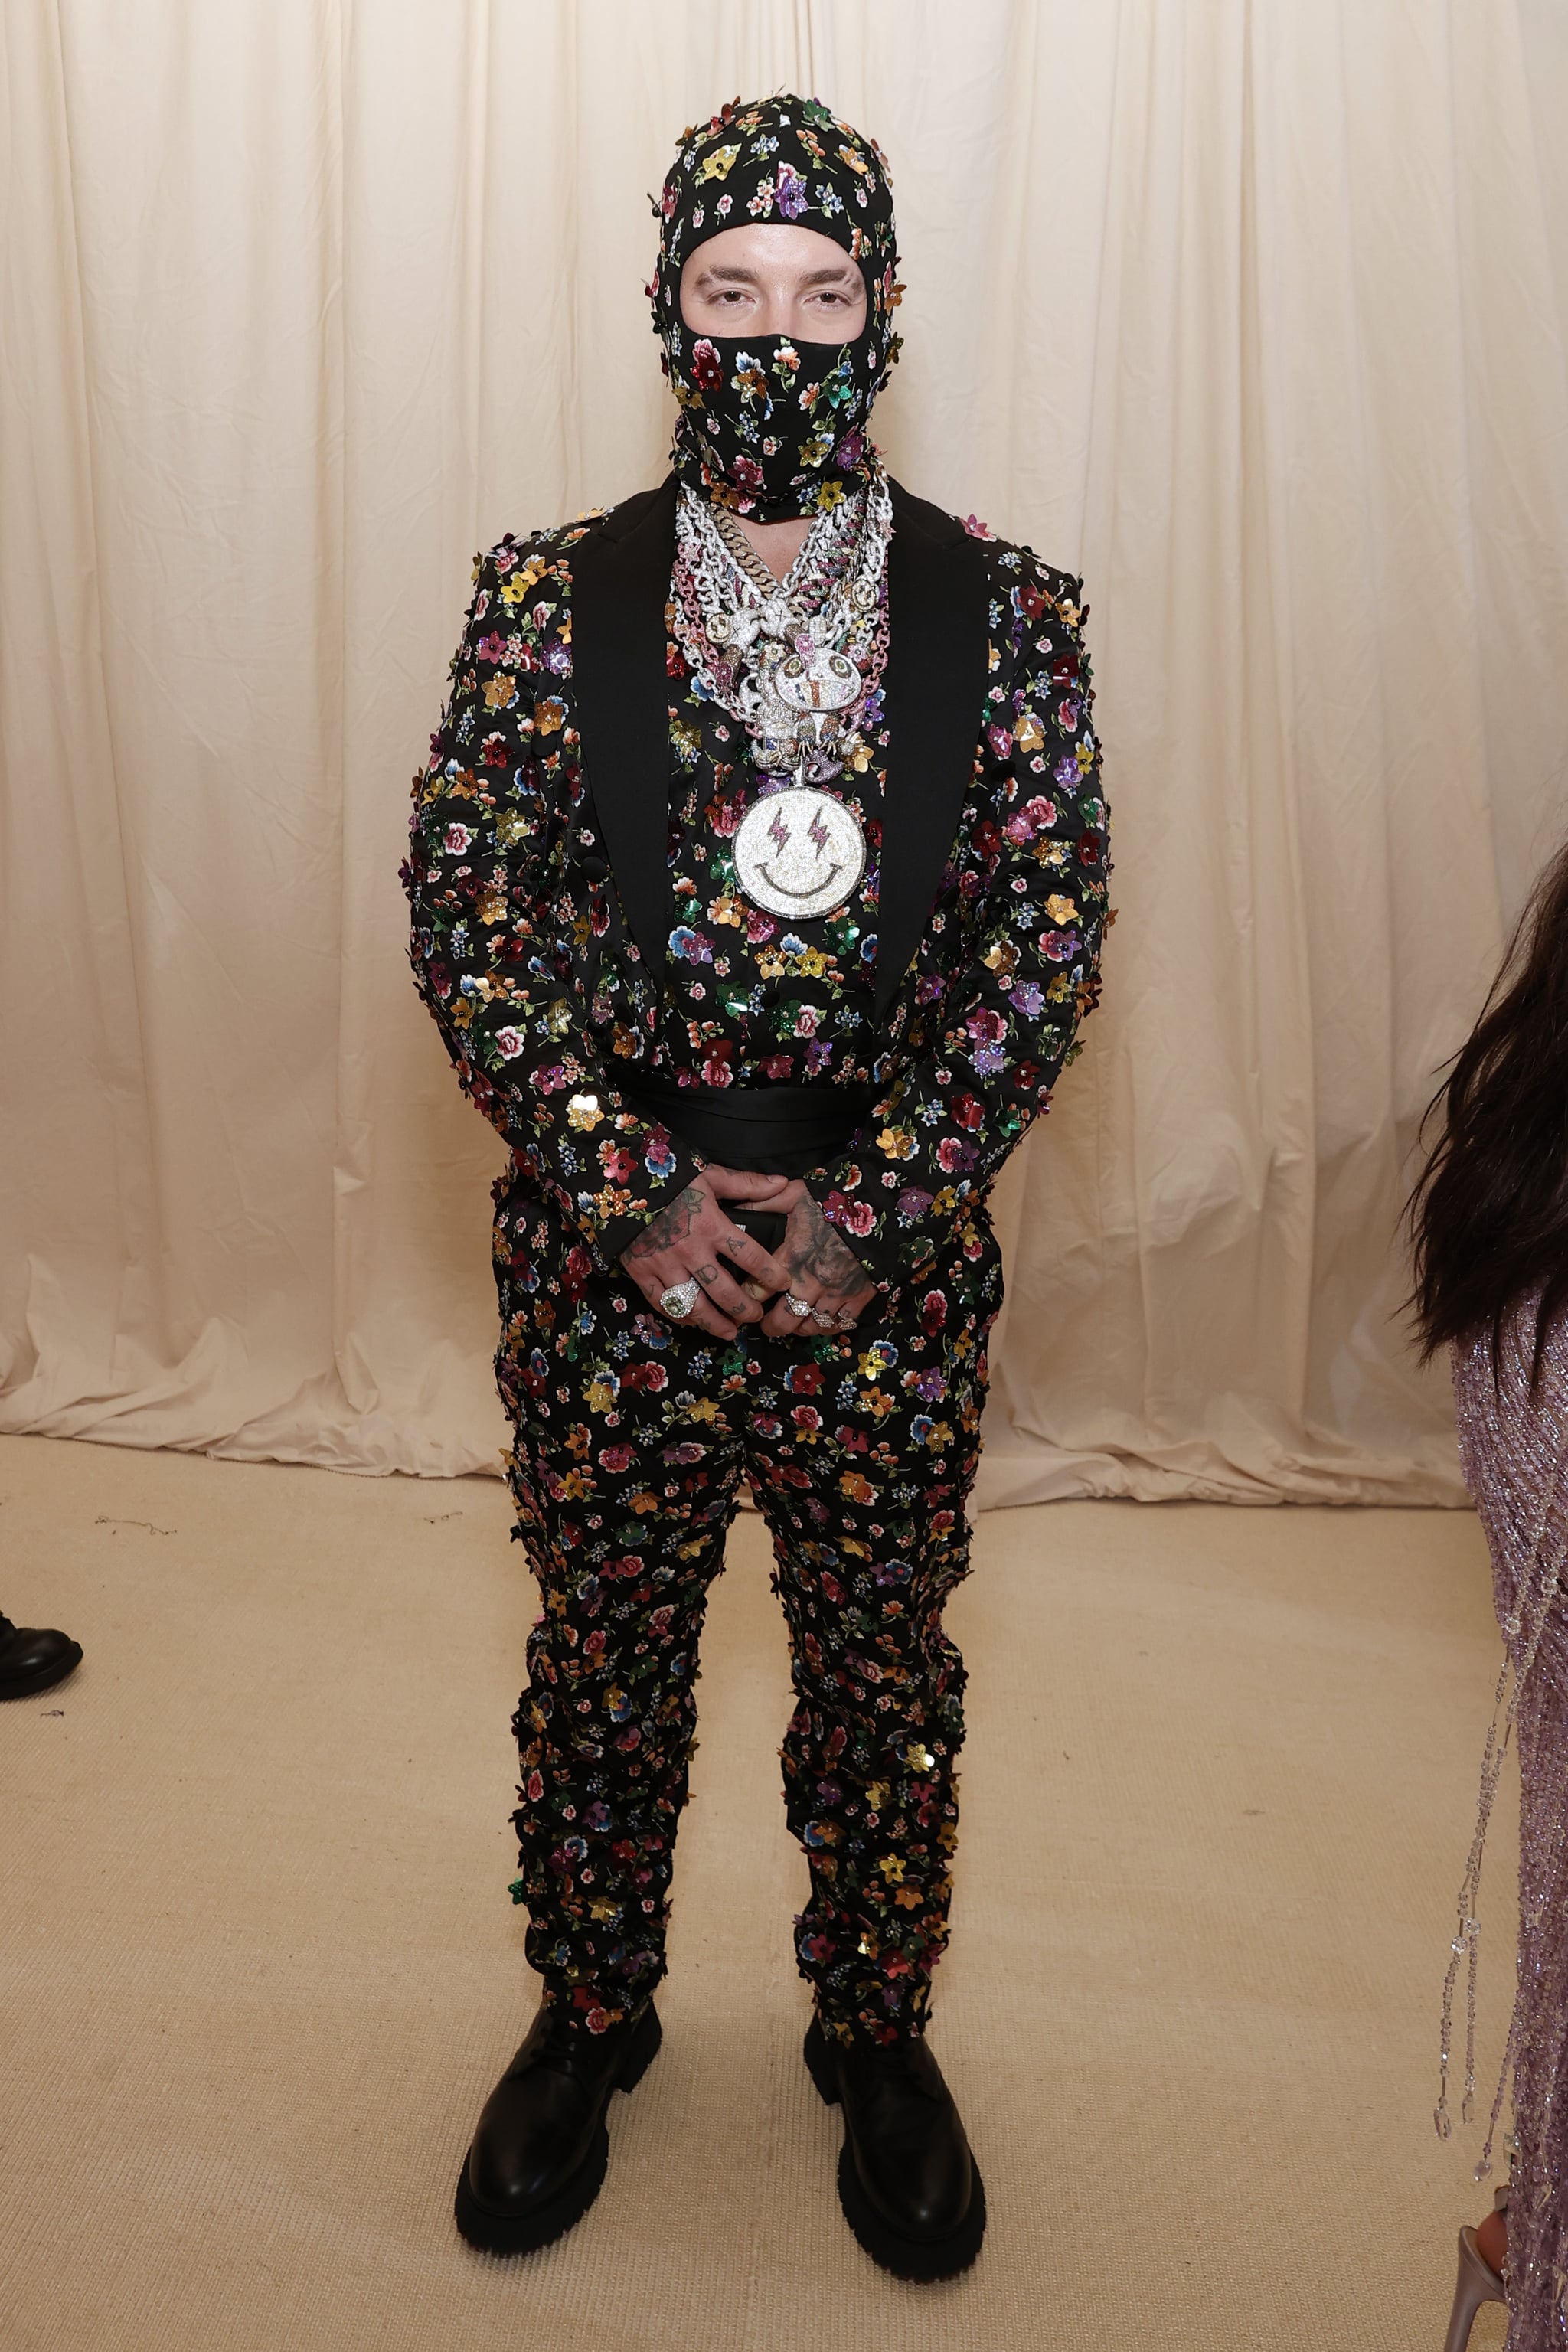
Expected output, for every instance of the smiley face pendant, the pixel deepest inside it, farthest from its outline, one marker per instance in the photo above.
(799, 852)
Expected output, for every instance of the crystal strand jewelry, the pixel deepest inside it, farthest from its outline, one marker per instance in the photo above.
(796, 661)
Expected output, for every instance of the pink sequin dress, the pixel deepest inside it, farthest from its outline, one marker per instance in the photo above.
(1513, 1448)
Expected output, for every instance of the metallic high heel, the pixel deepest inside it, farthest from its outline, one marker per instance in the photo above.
(1477, 2283)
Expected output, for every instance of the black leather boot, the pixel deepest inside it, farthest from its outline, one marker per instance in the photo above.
(33, 1658)
(539, 2156)
(910, 2188)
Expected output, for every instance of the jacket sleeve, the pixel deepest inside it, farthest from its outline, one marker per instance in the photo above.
(1032, 877)
(496, 930)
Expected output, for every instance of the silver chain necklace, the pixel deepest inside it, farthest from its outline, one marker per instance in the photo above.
(793, 660)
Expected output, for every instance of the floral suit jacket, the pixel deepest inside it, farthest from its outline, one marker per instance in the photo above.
(541, 894)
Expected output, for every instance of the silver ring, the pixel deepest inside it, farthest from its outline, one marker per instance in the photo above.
(679, 1299)
(798, 1308)
(818, 1315)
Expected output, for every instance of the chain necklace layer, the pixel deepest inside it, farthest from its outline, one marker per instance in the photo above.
(797, 662)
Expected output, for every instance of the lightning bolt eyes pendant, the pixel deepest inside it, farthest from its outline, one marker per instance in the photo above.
(795, 661)
(799, 852)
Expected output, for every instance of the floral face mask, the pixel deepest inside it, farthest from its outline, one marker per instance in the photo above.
(772, 428)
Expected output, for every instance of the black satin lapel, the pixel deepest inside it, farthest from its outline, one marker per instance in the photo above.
(620, 585)
(938, 640)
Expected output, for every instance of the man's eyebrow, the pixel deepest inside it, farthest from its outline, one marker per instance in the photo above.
(732, 273)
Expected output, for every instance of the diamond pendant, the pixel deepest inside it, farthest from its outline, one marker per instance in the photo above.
(799, 852)
(818, 680)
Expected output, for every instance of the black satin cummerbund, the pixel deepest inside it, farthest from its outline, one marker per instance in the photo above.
(769, 1131)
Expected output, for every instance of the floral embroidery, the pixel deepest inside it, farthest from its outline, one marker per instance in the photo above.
(861, 1454)
(982, 1021)
(631, 1434)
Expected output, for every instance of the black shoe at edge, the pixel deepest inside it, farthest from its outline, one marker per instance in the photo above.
(910, 2187)
(539, 2155)
(34, 1658)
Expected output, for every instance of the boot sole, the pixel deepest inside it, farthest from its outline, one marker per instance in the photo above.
(524, 2233)
(907, 2258)
(66, 1664)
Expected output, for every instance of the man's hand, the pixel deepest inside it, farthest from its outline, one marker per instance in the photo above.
(686, 1241)
(822, 1269)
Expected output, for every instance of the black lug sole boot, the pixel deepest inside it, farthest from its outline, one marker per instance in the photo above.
(911, 2190)
(540, 2154)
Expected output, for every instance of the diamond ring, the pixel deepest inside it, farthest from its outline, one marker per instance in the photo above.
(798, 1308)
(679, 1299)
(820, 1316)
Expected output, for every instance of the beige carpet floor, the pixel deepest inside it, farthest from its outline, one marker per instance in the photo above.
(259, 1970)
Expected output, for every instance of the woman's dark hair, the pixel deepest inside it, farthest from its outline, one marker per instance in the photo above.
(1489, 1218)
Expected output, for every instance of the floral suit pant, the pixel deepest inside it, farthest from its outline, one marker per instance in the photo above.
(632, 1438)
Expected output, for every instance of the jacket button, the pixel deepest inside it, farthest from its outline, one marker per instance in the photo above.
(594, 867)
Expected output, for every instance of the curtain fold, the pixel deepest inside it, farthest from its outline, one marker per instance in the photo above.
(1253, 314)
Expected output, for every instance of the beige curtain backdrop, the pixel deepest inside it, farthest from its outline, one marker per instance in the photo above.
(1249, 308)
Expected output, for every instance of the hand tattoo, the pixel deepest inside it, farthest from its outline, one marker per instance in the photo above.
(705, 1274)
(813, 1248)
(671, 1226)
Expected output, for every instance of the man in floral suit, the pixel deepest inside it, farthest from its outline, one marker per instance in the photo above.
(758, 882)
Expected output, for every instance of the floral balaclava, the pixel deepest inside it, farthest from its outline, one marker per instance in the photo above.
(770, 427)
